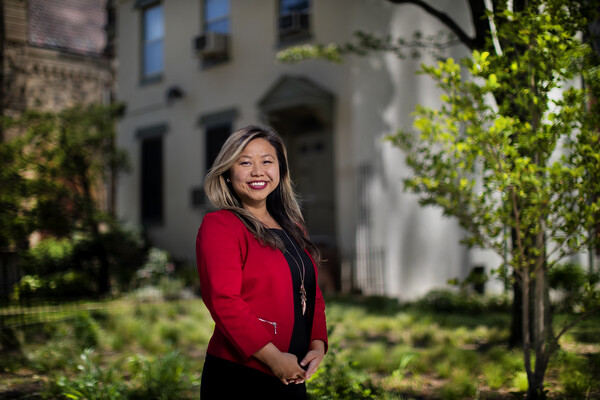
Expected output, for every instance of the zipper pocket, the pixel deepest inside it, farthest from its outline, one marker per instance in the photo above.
(270, 322)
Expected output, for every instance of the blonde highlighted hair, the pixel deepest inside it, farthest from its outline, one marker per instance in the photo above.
(282, 203)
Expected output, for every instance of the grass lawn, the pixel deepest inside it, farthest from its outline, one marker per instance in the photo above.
(378, 350)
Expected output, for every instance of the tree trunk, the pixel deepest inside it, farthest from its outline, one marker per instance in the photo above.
(2, 39)
(543, 335)
(516, 315)
(92, 225)
(103, 273)
(525, 322)
(536, 381)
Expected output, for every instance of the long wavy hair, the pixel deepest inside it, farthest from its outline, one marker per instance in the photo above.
(282, 203)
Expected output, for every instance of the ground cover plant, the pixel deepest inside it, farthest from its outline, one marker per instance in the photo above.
(379, 349)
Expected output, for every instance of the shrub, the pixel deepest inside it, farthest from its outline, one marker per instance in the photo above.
(161, 378)
(67, 267)
(569, 280)
(519, 381)
(494, 375)
(338, 380)
(127, 251)
(92, 382)
(60, 285)
(85, 330)
(49, 255)
(371, 357)
(450, 301)
(461, 386)
(156, 267)
(152, 378)
(575, 375)
(170, 288)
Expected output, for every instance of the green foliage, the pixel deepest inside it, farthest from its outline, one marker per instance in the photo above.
(61, 158)
(575, 286)
(157, 266)
(405, 359)
(165, 378)
(461, 386)
(365, 42)
(514, 149)
(339, 379)
(127, 250)
(576, 376)
(494, 375)
(60, 162)
(85, 330)
(440, 300)
(50, 254)
(67, 268)
(15, 218)
(519, 381)
(371, 354)
(92, 382)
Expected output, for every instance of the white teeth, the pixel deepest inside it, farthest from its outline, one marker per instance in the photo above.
(256, 184)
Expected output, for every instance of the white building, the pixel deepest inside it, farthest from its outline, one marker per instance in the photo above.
(192, 71)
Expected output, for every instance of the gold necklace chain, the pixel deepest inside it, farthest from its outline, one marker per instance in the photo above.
(301, 272)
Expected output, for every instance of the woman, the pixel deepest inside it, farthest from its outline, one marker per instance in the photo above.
(258, 275)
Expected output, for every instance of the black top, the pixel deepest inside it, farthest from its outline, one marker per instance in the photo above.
(300, 341)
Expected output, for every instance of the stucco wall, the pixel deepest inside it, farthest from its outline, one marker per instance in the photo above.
(416, 248)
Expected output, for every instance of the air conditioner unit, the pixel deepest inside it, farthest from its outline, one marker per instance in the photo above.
(211, 45)
(292, 23)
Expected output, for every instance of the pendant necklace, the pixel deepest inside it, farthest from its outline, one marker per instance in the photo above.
(301, 272)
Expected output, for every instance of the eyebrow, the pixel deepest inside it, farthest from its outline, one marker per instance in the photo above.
(263, 156)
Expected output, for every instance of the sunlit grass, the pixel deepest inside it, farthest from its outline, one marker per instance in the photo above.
(377, 350)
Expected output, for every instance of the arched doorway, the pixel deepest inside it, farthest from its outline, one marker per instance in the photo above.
(301, 112)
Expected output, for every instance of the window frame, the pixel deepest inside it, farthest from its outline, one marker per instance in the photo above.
(146, 135)
(301, 34)
(206, 123)
(206, 22)
(144, 43)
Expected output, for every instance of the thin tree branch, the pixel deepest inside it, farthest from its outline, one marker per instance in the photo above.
(477, 13)
(575, 322)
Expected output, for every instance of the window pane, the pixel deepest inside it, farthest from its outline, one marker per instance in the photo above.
(288, 6)
(216, 136)
(152, 49)
(221, 26)
(153, 23)
(215, 9)
(152, 180)
(153, 58)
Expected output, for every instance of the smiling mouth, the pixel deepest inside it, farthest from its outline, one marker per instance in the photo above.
(258, 185)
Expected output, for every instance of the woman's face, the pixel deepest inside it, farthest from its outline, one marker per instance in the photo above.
(255, 174)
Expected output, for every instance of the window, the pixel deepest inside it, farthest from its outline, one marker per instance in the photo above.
(216, 135)
(152, 180)
(217, 128)
(216, 16)
(294, 19)
(153, 42)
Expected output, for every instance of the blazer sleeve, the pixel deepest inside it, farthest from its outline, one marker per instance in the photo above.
(319, 326)
(220, 254)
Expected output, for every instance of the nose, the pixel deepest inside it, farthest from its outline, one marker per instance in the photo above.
(257, 169)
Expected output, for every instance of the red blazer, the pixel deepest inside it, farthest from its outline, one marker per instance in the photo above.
(247, 287)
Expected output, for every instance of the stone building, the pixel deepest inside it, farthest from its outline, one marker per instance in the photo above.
(53, 55)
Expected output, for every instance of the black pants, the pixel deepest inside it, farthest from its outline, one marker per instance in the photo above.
(226, 380)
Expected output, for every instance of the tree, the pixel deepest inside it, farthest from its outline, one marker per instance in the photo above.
(13, 216)
(515, 145)
(63, 158)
